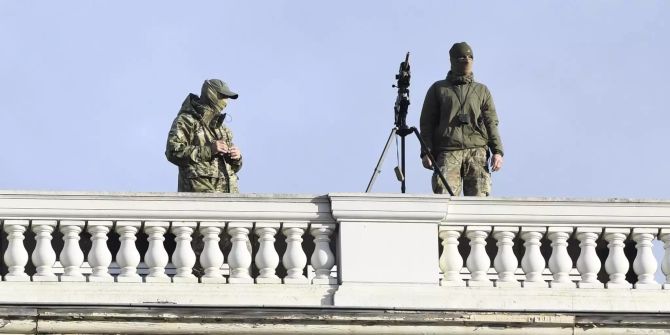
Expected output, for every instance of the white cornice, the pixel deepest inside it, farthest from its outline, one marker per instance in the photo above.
(388, 207)
(164, 206)
(553, 211)
(458, 211)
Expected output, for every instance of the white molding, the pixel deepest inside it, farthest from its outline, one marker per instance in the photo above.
(380, 207)
(555, 300)
(557, 212)
(165, 294)
(163, 206)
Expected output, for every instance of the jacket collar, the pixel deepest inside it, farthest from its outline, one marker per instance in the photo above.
(460, 80)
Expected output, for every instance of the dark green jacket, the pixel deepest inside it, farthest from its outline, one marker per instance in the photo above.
(441, 127)
(189, 147)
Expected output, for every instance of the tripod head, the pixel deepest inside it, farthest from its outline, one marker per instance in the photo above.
(402, 101)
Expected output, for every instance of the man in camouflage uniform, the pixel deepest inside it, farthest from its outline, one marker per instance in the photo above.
(459, 125)
(201, 145)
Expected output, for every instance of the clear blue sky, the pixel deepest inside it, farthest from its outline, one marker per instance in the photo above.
(89, 90)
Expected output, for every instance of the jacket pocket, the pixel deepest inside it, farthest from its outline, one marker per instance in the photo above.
(200, 170)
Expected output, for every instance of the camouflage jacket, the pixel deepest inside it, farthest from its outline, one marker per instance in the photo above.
(443, 129)
(188, 147)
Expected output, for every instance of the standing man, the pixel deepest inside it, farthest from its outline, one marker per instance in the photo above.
(201, 145)
(459, 125)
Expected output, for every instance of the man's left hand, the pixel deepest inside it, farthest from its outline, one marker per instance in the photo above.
(235, 153)
(496, 162)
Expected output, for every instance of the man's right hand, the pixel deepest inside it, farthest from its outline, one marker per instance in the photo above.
(427, 163)
(219, 147)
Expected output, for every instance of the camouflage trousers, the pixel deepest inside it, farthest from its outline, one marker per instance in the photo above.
(465, 170)
(208, 184)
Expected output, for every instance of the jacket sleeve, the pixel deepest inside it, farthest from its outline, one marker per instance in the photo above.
(491, 123)
(430, 117)
(180, 149)
(235, 164)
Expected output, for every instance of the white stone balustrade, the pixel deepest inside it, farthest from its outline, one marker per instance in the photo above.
(72, 257)
(267, 258)
(645, 263)
(239, 257)
(16, 256)
(665, 267)
(43, 256)
(211, 258)
(533, 263)
(386, 245)
(588, 262)
(183, 256)
(505, 262)
(560, 263)
(322, 258)
(294, 258)
(616, 264)
(156, 257)
(128, 257)
(478, 262)
(451, 261)
(99, 257)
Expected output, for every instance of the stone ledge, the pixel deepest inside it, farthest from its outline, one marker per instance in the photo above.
(170, 320)
(550, 300)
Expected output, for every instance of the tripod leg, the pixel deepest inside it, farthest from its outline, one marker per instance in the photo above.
(402, 164)
(377, 171)
(432, 159)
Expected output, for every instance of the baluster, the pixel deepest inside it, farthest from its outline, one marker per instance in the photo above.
(71, 257)
(588, 263)
(294, 258)
(616, 264)
(211, 258)
(99, 257)
(505, 261)
(43, 256)
(128, 257)
(323, 258)
(267, 258)
(239, 258)
(478, 261)
(560, 262)
(451, 261)
(645, 262)
(183, 256)
(16, 256)
(533, 263)
(156, 257)
(665, 266)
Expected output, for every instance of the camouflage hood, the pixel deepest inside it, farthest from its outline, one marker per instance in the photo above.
(192, 105)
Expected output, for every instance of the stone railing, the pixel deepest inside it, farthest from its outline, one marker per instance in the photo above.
(556, 223)
(63, 247)
(340, 250)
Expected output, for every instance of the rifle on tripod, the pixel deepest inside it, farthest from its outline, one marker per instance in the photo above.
(401, 129)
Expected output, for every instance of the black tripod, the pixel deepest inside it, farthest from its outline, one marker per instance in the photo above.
(401, 129)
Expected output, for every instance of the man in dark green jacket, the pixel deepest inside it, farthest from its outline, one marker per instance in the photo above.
(201, 145)
(459, 125)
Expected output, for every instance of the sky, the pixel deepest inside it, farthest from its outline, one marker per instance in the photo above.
(90, 89)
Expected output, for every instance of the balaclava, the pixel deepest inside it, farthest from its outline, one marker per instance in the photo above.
(460, 72)
(209, 97)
